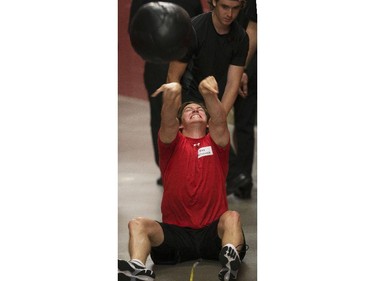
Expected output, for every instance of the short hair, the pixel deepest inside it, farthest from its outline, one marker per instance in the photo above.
(243, 3)
(182, 107)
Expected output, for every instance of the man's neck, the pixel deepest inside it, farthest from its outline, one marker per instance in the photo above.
(219, 27)
(194, 133)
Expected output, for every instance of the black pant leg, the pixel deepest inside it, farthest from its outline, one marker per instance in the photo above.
(234, 167)
(245, 111)
(154, 76)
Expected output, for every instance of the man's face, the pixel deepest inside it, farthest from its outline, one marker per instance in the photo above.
(227, 10)
(193, 113)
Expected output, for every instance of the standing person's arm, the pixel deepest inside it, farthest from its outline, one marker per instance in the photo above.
(175, 71)
(217, 124)
(235, 71)
(232, 87)
(251, 31)
(171, 102)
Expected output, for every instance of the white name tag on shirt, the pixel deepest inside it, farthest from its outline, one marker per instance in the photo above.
(205, 151)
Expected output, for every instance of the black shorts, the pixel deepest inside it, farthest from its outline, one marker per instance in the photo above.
(183, 244)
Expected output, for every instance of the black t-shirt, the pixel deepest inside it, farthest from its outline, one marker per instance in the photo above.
(212, 54)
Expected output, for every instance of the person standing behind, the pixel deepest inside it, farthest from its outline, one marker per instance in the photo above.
(194, 145)
(221, 50)
(155, 74)
(245, 106)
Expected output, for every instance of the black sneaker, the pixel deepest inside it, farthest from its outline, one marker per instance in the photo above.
(159, 181)
(134, 272)
(238, 182)
(230, 260)
(244, 192)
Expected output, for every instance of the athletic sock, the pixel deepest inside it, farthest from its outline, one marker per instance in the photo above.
(232, 247)
(138, 262)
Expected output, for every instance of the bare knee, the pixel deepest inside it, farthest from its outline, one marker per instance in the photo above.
(143, 227)
(137, 225)
(230, 222)
(230, 218)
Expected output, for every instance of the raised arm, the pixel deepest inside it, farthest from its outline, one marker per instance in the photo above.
(171, 102)
(217, 124)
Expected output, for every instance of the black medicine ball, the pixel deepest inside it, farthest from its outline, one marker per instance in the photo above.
(161, 32)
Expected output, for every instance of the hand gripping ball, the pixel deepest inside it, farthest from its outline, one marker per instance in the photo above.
(161, 32)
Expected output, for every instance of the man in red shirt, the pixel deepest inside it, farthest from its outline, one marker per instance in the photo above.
(196, 223)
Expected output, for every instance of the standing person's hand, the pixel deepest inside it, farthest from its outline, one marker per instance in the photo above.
(243, 87)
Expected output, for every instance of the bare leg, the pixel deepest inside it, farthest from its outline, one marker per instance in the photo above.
(230, 232)
(230, 229)
(143, 234)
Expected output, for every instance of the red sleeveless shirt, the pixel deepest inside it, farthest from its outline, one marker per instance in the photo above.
(194, 174)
